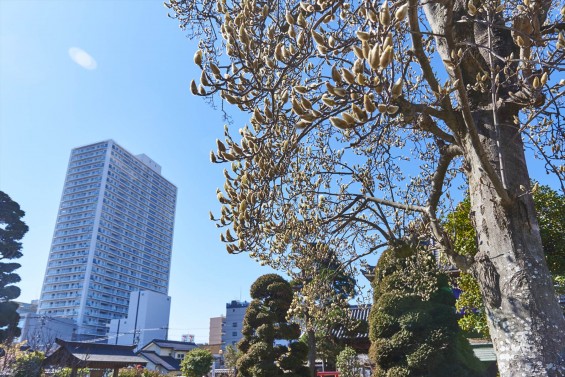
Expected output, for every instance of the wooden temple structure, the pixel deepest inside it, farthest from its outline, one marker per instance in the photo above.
(78, 355)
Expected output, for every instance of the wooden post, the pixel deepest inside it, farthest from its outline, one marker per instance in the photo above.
(74, 371)
(116, 370)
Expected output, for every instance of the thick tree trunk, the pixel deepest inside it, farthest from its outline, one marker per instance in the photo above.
(525, 321)
(312, 351)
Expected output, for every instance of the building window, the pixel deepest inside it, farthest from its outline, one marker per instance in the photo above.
(180, 356)
(234, 324)
(234, 333)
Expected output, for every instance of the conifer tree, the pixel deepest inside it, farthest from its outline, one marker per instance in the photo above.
(12, 230)
(265, 323)
(413, 325)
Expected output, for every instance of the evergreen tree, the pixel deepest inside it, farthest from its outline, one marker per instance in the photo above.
(264, 323)
(197, 363)
(413, 324)
(12, 230)
(324, 286)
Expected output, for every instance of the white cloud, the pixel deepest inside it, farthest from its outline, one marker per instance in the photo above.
(82, 58)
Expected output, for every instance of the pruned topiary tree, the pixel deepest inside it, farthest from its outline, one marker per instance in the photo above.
(265, 323)
(413, 325)
(12, 230)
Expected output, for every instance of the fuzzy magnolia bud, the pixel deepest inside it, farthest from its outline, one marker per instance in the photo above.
(339, 123)
(384, 14)
(318, 37)
(368, 103)
(358, 113)
(536, 83)
(198, 58)
(543, 79)
(375, 57)
(348, 118)
(328, 101)
(258, 116)
(396, 90)
(193, 87)
(348, 76)
(289, 18)
(363, 36)
(358, 52)
(386, 57)
(401, 12)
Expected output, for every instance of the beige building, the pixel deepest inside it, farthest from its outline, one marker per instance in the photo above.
(216, 329)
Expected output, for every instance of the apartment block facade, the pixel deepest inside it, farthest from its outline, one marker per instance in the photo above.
(113, 235)
(233, 323)
(216, 330)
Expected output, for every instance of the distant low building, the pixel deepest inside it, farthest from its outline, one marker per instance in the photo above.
(216, 329)
(148, 318)
(95, 356)
(165, 356)
(235, 312)
(40, 331)
(27, 307)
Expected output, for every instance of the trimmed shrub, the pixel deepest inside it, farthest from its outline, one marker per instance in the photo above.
(413, 324)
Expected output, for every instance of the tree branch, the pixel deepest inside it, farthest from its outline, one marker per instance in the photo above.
(390, 203)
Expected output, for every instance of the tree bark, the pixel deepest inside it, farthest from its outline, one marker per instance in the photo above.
(311, 351)
(525, 320)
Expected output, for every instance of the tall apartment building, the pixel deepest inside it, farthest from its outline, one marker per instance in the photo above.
(233, 323)
(113, 235)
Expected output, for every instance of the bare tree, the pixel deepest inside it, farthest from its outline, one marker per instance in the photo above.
(365, 116)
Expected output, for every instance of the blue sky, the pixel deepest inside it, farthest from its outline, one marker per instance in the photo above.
(137, 94)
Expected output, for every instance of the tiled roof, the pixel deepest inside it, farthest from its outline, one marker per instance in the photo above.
(174, 344)
(167, 362)
(357, 313)
(94, 354)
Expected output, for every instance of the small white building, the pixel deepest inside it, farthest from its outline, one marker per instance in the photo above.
(148, 319)
(165, 356)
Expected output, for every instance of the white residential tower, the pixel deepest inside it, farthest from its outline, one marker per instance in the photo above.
(113, 235)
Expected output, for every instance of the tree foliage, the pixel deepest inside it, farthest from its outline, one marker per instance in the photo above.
(85, 372)
(29, 364)
(323, 290)
(231, 355)
(16, 359)
(197, 363)
(365, 116)
(550, 206)
(265, 323)
(347, 363)
(12, 230)
(413, 327)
